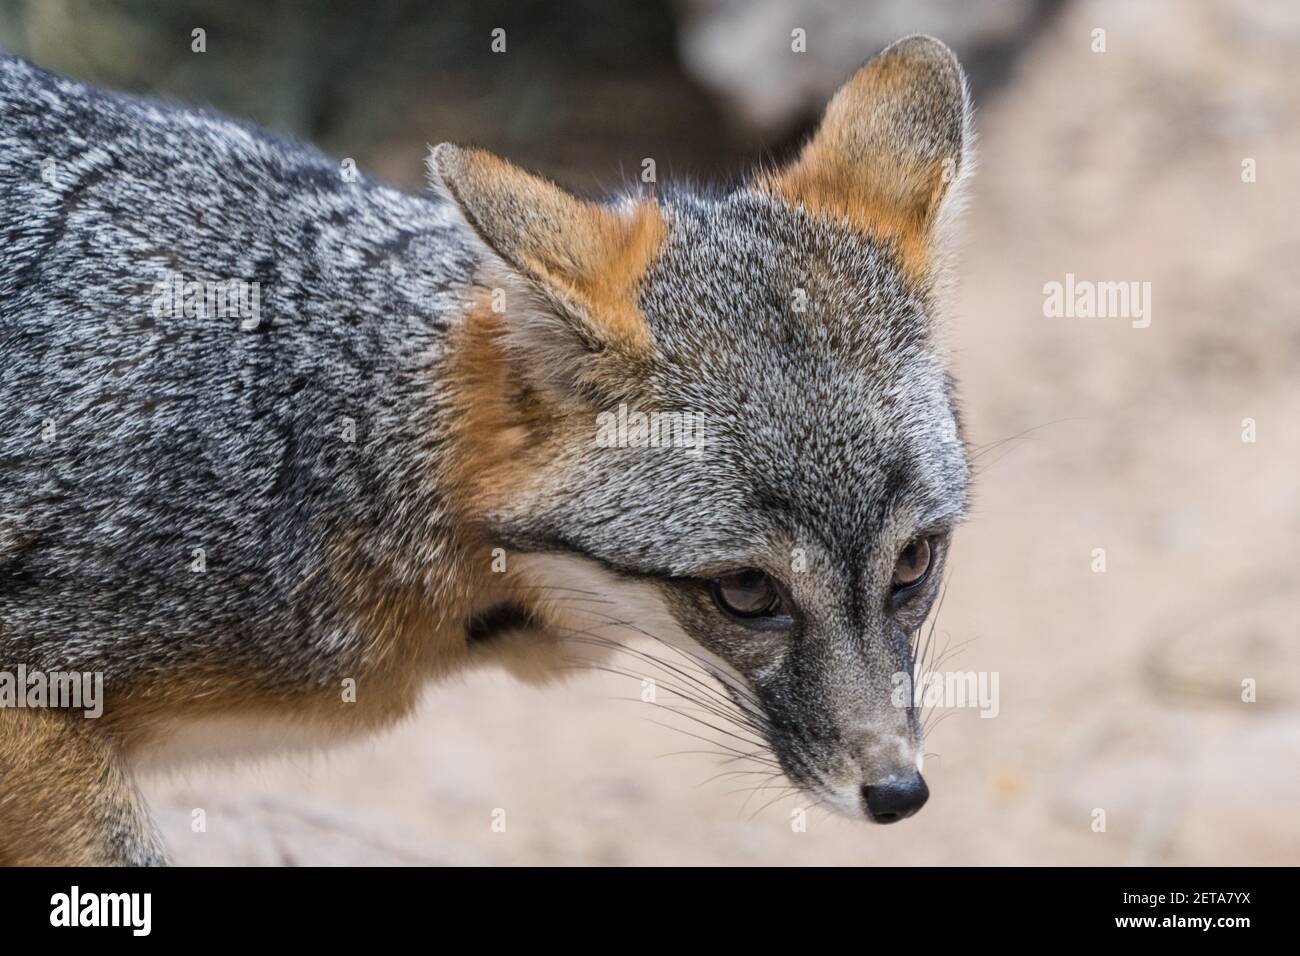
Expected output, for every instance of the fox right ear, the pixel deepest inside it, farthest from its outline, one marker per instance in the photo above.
(585, 259)
(893, 144)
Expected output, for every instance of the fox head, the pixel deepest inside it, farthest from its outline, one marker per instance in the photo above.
(724, 421)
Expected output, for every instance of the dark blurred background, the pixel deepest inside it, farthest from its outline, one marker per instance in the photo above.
(582, 86)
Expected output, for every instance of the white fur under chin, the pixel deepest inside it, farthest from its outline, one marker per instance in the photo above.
(590, 603)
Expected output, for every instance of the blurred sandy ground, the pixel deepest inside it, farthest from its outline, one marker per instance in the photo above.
(1120, 690)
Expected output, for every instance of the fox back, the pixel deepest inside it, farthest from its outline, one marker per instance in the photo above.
(174, 475)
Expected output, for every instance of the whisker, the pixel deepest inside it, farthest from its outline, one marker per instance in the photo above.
(707, 705)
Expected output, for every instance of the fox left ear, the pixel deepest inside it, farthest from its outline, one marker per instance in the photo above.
(891, 151)
(585, 259)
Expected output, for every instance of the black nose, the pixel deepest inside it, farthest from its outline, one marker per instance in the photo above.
(896, 799)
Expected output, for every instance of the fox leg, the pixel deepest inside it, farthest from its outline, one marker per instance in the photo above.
(66, 797)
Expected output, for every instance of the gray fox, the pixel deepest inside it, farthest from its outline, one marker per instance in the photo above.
(280, 444)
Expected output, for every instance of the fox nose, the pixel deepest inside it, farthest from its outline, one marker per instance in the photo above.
(896, 798)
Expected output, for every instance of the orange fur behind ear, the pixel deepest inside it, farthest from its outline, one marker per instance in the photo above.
(625, 244)
(590, 257)
(887, 151)
(498, 422)
(824, 190)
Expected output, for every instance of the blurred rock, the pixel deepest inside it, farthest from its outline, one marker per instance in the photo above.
(743, 50)
(286, 831)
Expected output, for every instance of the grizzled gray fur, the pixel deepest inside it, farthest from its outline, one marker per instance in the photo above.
(129, 439)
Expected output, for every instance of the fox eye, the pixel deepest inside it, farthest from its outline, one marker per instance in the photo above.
(913, 565)
(747, 594)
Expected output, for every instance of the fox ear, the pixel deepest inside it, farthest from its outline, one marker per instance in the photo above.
(892, 147)
(585, 259)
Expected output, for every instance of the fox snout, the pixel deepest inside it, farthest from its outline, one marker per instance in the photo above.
(893, 788)
(847, 743)
(868, 789)
(856, 782)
